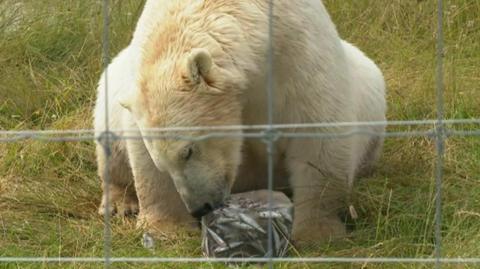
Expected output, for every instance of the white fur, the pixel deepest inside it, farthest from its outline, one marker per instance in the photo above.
(317, 78)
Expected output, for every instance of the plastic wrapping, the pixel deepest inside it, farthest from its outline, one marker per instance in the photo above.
(240, 228)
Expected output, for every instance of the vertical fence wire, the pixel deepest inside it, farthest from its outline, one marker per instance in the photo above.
(270, 138)
(440, 136)
(106, 135)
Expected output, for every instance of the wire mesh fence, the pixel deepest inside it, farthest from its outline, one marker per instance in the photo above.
(437, 130)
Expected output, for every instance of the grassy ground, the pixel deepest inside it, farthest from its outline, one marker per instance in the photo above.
(50, 61)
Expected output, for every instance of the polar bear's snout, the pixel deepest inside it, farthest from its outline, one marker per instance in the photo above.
(206, 209)
(200, 196)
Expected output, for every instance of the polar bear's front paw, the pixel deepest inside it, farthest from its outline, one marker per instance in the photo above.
(127, 206)
(313, 231)
(102, 209)
(160, 227)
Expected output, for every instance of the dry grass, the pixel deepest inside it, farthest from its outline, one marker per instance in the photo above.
(50, 57)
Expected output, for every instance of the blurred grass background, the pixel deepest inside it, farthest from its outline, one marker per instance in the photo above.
(50, 59)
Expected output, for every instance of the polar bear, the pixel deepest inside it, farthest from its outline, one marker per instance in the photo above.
(204, 63)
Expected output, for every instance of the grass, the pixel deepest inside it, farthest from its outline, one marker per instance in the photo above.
(50, 55)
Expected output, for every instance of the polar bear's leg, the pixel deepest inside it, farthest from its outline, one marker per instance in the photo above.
(370, 157)
(319, 174)
(121, 188)
(161, 209)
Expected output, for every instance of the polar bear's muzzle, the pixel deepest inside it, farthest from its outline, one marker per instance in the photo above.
(200, 195)
(201, 207)
(207, 208)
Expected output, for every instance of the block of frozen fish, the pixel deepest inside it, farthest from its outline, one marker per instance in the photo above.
(240, 228)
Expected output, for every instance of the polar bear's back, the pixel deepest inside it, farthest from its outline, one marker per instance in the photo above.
(368, 85)
(121, 78)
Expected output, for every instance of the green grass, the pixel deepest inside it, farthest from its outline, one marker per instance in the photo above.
(50, 55)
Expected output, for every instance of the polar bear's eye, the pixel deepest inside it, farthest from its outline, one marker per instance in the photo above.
(188, 152)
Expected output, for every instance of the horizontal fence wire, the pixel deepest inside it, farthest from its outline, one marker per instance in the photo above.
(261, 131)
(392, 123)
(241, 260)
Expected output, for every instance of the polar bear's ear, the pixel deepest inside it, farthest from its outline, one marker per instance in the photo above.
(199, 64)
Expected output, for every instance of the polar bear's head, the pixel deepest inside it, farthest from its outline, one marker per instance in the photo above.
(190, 90)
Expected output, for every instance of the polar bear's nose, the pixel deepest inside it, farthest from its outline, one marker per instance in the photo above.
(207, 208)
